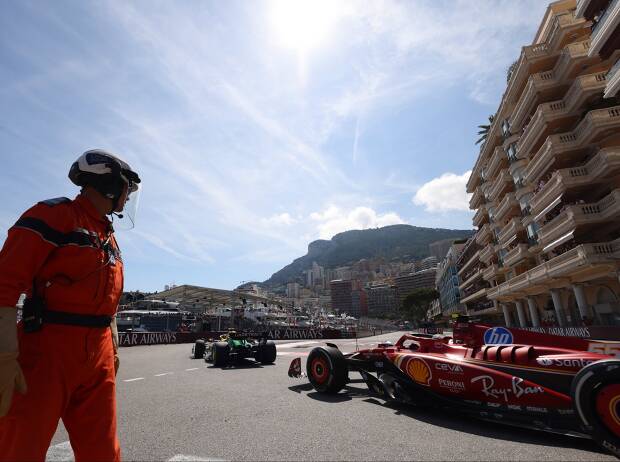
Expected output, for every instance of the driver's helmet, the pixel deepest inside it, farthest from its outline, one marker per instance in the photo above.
(105, 172)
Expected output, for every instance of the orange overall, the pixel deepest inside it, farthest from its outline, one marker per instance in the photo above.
(67, 249)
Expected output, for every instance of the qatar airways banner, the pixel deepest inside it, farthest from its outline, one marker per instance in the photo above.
(590, 332)
(126, 339)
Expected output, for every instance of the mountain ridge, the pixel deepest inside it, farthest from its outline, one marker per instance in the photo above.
(389, 242)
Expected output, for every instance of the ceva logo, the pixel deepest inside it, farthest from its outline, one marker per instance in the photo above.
(498, 336)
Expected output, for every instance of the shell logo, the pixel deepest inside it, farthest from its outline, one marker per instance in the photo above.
(419, 371)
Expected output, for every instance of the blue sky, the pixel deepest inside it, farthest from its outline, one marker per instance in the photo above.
(257, 126)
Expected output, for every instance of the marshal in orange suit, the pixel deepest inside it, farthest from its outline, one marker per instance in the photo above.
(59, 361)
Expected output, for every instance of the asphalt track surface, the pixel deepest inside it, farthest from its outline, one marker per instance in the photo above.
(172, 407)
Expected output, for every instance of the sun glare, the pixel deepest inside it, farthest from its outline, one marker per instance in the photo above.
(304, 24)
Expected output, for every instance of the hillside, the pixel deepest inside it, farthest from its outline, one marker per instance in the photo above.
(389, 242)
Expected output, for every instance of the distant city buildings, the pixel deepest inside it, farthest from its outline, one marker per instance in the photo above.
(341, 295)
(382, 300)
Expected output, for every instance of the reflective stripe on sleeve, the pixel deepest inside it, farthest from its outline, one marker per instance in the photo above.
(78, 237)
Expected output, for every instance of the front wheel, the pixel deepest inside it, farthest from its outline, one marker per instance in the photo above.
(267, 352)
(221, 351)
(327, 369)
(596, 396)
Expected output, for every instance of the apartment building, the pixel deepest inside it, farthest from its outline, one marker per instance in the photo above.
(473, 284)
(447, 281)
(341, 291)
(605, 38)
(407, 283)
(381, 300)
(546, 183)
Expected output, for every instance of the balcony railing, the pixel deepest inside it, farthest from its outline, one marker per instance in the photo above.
(487, 253)
(573, 216)
(564, 265)
(604, 164)
(512, 228)
(592, 125)
(613, 81)
(517, 254)
(471, 278)
(507, 207)
(500, 184)
(498, 161)
(481, 216)
(475, 258)
(484, 235)
(477, 199)
(605, 26)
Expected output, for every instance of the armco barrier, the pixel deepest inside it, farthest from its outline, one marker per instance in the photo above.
(127, 339)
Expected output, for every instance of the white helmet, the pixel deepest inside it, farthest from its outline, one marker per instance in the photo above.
(105, 172)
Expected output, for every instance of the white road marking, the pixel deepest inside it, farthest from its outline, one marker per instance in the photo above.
(288, 345)
(292, 353)
(133, 380)
(192, 369)
(183, 458)
(61, 452)
(165, 373)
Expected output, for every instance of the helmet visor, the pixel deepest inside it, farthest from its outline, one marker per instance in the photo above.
(126, 218)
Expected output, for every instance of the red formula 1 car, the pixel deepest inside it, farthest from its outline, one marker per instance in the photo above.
(559, 384)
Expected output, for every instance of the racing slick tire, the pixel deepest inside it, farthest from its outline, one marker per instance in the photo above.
(221, 351)
(596, 396)
(198, 350)
(266, 353)
(327, 369)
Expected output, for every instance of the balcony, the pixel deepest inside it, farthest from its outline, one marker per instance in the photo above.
(581, 215)
(477, 199)
(507, 208)
(487, 253)
(517, 254)
(481, 216)
(471, 277)
(605, 164)
(512, 229)
(595, 125)
(474, 295)
(604, 30)
(484, 235)
(498, 161)
(492, 271)
(475, 258)
(580, 264)
(537, 85)
(500, 185)
(613, 81)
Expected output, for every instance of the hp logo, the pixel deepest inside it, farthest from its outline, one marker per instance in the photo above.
(497, 336)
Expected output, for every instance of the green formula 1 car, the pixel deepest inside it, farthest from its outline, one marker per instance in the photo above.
(233, 346)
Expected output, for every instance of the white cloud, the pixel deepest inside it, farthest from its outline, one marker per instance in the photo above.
(279, 220)
(448, 192)
(335, 220)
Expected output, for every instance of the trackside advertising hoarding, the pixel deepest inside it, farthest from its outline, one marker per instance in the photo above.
(126, 339)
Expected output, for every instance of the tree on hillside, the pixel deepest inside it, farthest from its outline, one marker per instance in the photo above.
(417, 303)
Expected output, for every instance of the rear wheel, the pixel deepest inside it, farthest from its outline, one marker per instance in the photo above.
(596, 397)
(221, 351)
(267, 353)
(198, 351)
(327, 369)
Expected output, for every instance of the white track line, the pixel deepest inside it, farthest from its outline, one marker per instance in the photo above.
(192, 369)
(133, 380)
(165, 373)
(288, 345)
(61, 452)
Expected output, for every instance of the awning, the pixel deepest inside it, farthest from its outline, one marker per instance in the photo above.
(567, 237)
(546, 210)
